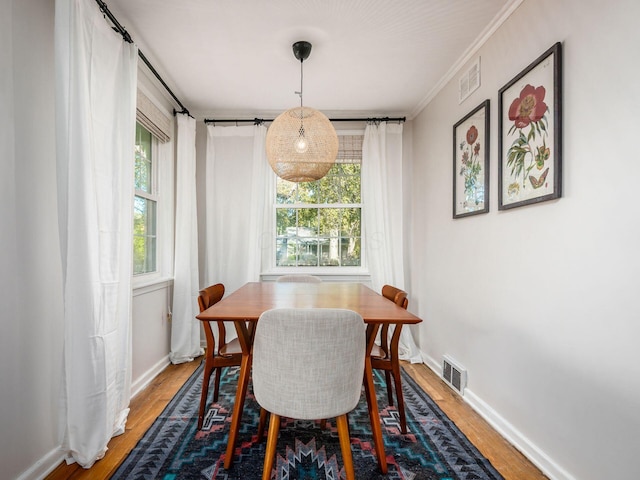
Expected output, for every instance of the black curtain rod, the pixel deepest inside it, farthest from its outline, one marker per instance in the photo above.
(127, 38)
(258, 121)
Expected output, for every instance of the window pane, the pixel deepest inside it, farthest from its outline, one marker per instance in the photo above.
(285, 221)
(308, 192)
(308, 251)
(296, 251)
(330, 222)
(350, 222)
(142, 178)
(351, 169)
(144, 235)
(307, 222)
(286, 251)
(350, 252)
(145, 209)
(330, 252)
(286, 192)
(324, 253)
(329, 186)
(351, 183)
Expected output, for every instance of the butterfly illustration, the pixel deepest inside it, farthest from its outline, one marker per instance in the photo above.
(537, 183)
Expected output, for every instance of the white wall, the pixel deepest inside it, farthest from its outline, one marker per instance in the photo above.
(30, 273)
(539, 303)
(151, 333)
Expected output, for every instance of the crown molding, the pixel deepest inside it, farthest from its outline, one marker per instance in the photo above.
(473, 49)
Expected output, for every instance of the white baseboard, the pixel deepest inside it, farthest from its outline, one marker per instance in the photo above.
(515, 437)
(145, 379)
(538, 457)
(432, 364)
(44, 466)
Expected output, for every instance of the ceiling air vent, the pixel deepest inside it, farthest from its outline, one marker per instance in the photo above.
(454, 374)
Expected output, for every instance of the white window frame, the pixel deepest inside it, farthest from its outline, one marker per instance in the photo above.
(163, 180)
(337, 273)
(152, 195)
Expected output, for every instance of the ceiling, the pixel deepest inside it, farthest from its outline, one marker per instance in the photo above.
(233, 58)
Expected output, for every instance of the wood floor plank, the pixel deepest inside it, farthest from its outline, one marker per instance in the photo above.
(511, 464)
(149, 403)
(144, 409)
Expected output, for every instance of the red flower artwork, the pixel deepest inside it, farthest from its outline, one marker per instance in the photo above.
(471, 167)
(528, 107)
(528, 110)
(472, 135)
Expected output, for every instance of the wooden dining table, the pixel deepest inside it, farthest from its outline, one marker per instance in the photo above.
(244, 307)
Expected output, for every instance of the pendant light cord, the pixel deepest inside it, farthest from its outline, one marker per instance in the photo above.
(301, 83)
(301, 106)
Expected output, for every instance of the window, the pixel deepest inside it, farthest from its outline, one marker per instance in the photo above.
(153, 201)
(145, 204)
(318, 224)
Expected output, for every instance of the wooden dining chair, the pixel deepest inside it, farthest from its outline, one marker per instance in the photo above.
(385, 356)
(227, 355)
(308, 364)
(299, 278)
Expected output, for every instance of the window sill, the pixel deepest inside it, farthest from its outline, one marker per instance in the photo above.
(327, 274)
(150, 284)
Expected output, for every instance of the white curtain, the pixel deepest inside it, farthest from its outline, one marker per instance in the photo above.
(382, 216)
(185, 328)
(240, 189)
(95, 121)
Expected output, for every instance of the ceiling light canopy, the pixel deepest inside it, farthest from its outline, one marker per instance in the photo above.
(302, 145)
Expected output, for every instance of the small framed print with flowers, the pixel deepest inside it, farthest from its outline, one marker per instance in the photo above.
(471, 163)
(530, 134)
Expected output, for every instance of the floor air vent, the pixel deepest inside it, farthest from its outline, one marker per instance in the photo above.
(454, 374)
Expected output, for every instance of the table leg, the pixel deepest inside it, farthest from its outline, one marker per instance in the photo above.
(372, 402)
(244, 335)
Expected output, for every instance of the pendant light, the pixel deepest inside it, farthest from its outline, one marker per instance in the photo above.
(302, 145)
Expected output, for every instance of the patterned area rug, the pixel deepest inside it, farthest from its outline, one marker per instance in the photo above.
(174, 449)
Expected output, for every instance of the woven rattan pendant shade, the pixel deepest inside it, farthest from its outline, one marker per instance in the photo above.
(283, 148)
(302, 145)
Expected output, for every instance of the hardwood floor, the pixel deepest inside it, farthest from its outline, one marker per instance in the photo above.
(148, 404)
(511, 464)
(145, 408)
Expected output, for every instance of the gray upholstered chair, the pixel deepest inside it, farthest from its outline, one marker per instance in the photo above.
(308, 364)
(299, 278)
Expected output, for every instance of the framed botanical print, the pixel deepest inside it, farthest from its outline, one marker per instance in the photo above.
(471, 163)
(530, 133)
